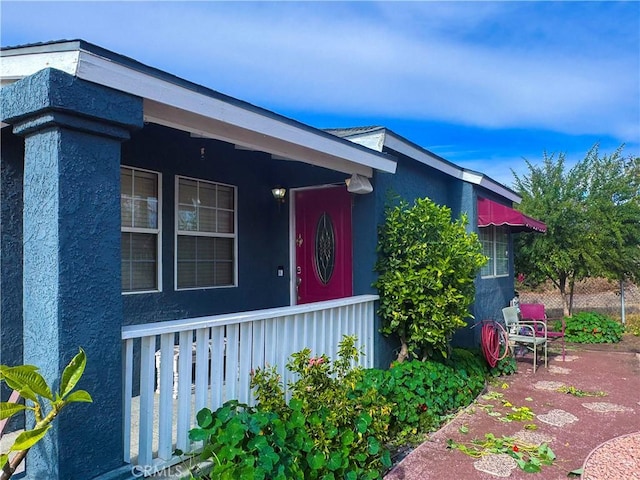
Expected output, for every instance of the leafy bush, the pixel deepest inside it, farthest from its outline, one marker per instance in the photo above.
(591, 327)
(422, 392)
(427, 265)
(347, 428)
(633, 324)
(505, 366)
(243, 442)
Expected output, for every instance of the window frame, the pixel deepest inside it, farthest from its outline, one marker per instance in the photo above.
(195, 233)
(493, 258)
(157, 231)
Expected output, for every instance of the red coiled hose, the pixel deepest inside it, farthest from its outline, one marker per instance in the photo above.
(493, 336)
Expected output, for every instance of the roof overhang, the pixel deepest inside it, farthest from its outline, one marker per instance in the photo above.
(378, 138)
(180, 104)
(493, 213)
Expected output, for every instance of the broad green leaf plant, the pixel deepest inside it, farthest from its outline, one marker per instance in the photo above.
(39, 399)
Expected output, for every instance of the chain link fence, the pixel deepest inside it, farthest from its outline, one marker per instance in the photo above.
(593, 295)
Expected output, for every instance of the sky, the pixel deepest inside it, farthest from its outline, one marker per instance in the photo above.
(486, 85)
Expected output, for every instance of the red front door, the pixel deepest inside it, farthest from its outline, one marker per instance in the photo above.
(323, 269)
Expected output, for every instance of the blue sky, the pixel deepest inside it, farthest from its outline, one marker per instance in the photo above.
(483, 84)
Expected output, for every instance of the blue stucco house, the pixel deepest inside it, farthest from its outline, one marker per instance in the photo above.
(183, 237)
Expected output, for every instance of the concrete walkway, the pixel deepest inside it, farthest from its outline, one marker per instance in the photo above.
(573, 426)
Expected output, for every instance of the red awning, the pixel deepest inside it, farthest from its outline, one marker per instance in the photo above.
(492, 213)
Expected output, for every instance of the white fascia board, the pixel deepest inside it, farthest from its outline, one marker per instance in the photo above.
(99, 70)
(399, 145)
(15, 67)
(491, 185)
(248, 139)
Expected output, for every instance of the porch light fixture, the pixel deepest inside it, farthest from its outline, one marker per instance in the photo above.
(358, 184)
(279, 193)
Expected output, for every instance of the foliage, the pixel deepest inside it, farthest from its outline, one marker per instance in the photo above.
(591, 327)
(511, 412)
(244, 442)
(427, 265)
(39, 399)
(529, 458)
(576, 392)
(505, 366)
(423, 392)
(632, 325)
(591, 214)
(347, 427)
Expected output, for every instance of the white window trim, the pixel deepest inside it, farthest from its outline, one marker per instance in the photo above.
(494, 258)
(204, 234)
(157, 231)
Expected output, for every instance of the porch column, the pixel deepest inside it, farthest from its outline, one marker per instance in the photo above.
(71, 280)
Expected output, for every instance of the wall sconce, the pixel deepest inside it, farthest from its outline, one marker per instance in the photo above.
(279, 193)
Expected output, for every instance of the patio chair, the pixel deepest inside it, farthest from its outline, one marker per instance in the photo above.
(536, 311)
(524, 332)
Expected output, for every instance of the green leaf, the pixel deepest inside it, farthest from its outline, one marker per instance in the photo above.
(3, 459)
(335, 461)
(8, 408)
(315, 460)
(29, 438)
(347, 438)
(531, 467)
(198, 434)
(27, 381)
(373, 445)
(204, 418)
(576, 473)
(79, 396)
(72, 373)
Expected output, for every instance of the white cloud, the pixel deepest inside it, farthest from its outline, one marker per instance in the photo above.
(491, 65)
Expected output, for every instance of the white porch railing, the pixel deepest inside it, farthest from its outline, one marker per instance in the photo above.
(182, 366)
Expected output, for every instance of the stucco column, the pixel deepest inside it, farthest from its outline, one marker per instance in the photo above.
(71, 243)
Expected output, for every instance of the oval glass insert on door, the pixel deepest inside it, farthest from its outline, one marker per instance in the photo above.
(325, 248)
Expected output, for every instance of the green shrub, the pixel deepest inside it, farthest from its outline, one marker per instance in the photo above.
(423, 392)
(633, 324)
(348, 428)
(427, 265)
(505, 366)
(591, 327)
(243, 442)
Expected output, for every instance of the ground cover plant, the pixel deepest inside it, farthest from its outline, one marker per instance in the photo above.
(340, 422)
(422, 393)
(327, 430)
(592, 327)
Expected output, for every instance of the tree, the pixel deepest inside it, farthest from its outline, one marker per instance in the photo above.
(591, 212)
(427, 265)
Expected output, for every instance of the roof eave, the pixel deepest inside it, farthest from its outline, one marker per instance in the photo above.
(196, 109)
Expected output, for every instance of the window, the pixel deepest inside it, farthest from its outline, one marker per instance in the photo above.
(495, 245)
(140, 229)
(205, 234)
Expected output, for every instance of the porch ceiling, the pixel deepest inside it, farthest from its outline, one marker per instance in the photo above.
(177, 103)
